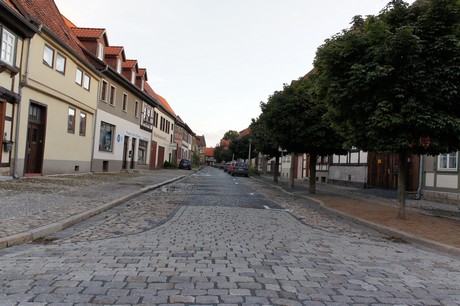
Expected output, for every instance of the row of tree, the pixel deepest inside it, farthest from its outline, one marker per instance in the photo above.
(389, 83)
(233, 147)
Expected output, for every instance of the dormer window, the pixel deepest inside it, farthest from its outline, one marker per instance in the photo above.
(133, 77)
(142, 84)
(100, 51)
(119, 65)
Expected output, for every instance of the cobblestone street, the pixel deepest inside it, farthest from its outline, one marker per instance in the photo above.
(290, 253)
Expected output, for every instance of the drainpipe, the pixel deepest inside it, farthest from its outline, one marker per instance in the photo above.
(18, 111)
(93, 147)
(418, 196)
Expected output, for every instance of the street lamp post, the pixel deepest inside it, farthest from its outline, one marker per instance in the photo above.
(249, 154)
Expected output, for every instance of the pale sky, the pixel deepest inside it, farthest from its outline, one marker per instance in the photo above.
(214, 61)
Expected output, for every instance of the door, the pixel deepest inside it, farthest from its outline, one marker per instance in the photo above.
(161, 156)
(124, 163)
(34, 151)
(131, 152)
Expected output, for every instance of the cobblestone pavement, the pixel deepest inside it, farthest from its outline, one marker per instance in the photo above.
(226, 255)
(27, 204)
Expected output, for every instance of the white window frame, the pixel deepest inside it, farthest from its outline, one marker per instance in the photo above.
(136, 109)
(8, 47)
(104, 93)
(124, 104)
(112, 95)
(100, 51)
(48, 51)
(79, 76)
(448, 162)
(60, 59)
(71, 117)
(133, 77)
(86, 81)
(82, 124)
(119, 65)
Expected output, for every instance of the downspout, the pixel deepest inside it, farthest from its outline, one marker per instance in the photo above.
(418, 196)
(18, 112)
(95, 121)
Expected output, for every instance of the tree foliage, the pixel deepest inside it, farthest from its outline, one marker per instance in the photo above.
(293, 119)
(391, 81)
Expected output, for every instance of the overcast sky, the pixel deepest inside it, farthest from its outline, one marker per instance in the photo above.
(214, 61)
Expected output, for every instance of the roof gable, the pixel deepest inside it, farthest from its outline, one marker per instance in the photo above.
(47, 13)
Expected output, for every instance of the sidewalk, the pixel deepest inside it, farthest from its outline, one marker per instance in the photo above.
(430, 224)
(31, 208)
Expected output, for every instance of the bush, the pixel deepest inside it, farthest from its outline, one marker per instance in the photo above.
(253, 171)
(168, 165)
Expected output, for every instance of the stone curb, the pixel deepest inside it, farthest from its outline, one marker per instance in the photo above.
(51, 228)
(434, 245)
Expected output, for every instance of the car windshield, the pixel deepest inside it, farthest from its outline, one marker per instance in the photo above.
(240, 164)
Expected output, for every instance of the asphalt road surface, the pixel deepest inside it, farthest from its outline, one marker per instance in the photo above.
(212, 239)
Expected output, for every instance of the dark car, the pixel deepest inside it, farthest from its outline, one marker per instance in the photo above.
(227, 164)
(185, 164)
(240, 168)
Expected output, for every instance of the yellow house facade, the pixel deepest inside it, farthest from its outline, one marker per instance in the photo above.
(58, 101)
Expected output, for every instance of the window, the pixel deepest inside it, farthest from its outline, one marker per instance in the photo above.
(82, 130)
(79, 76)
(106, 137)
(104, 91)
(86, 81)
(71, 121)
(142, 152)
(133, 77)
(448, 161)
(125, 102)
(112, 95)
(119, 65)
(48, 56)
(60, 63)
(100, 51)
(8, 47)
(136, 109)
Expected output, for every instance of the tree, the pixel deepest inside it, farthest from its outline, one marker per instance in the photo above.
(391, 81)
(262, 141)
(240, 147)
(222, 154)
(295, 120)
(231, 135)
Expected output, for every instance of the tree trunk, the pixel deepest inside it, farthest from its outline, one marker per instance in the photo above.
(275, 171)
(312, 178)
(292, 170)
(402, 185)
(264, 165)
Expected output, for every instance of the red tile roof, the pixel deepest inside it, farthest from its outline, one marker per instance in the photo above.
(209, 151)
(88, 32)
(130, 64)
(245, 132)
(48, 14)
(201, 141)
(148, 89)
(69, 23)
(113, 50)
(142, 73)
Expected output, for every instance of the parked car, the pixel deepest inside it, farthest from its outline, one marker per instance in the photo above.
(227, 164)
(185, 164)
(240, 168)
